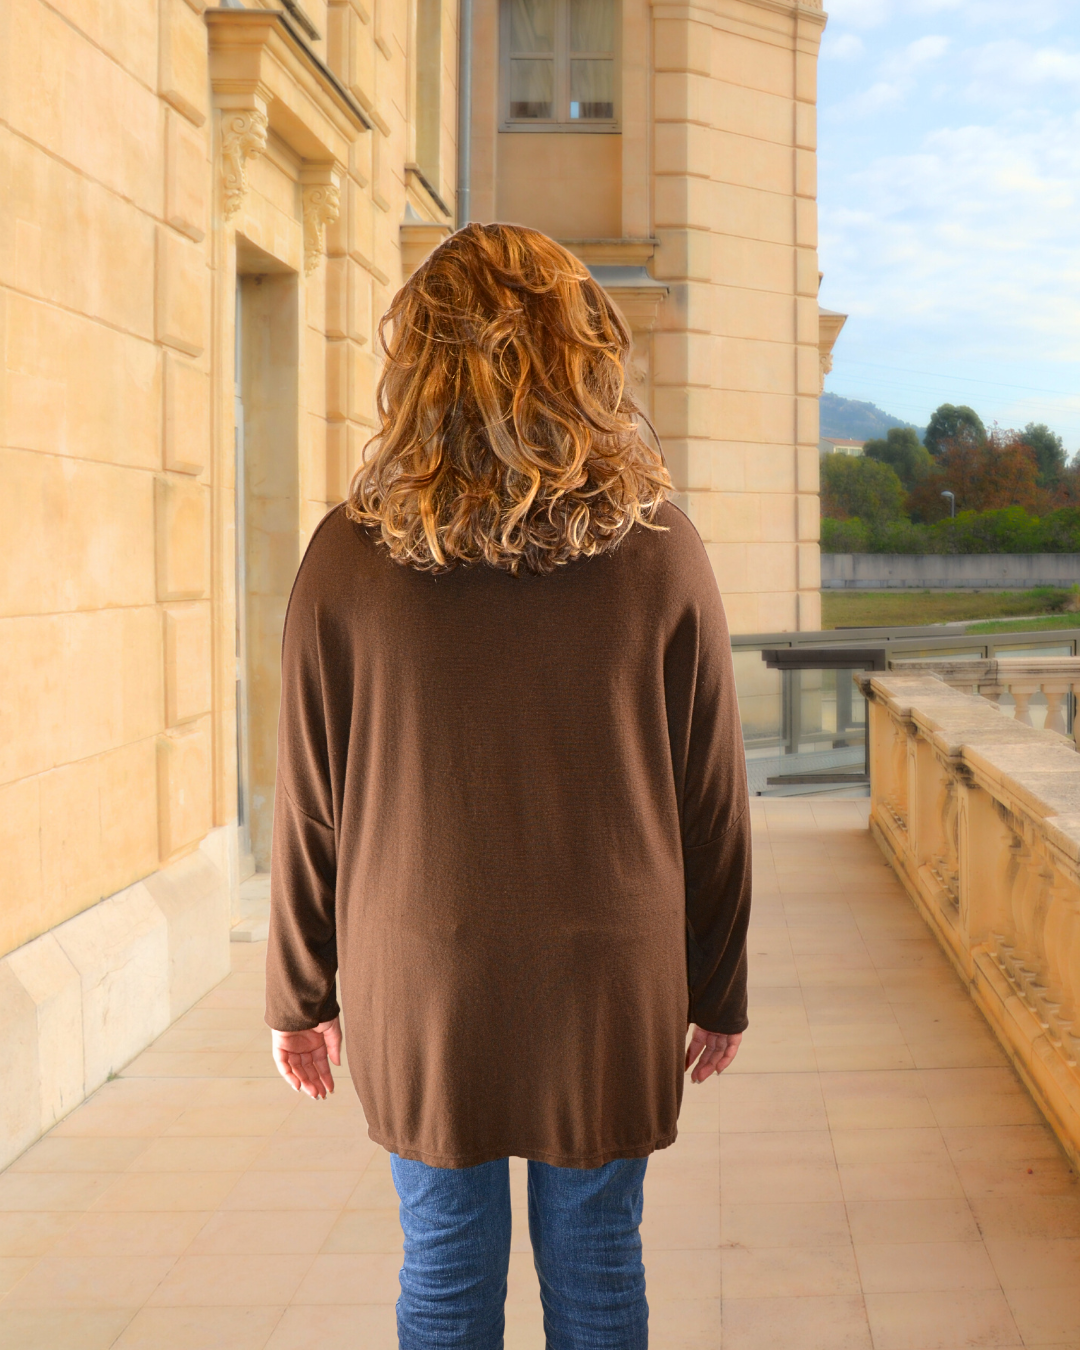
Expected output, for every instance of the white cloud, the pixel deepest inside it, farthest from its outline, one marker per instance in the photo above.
(973, 235)
(860, 13)
(843, 47)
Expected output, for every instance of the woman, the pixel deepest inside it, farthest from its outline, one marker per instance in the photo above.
(511, 802)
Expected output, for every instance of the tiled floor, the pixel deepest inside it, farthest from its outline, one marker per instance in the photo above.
(869, 1173)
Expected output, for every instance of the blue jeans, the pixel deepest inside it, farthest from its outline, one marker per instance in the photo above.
(586, 1248)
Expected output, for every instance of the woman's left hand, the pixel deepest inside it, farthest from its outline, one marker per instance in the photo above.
(716, 1050)
(303, 1058)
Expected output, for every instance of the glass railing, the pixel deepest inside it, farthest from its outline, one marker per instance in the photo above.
(804, 725)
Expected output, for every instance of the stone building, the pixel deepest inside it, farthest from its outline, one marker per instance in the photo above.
(203, 213)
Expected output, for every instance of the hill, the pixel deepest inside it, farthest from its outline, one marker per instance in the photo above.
(850, 419)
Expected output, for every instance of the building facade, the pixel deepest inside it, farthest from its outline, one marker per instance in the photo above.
(204, 213)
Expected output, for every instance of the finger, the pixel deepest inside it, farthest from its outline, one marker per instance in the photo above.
(300, 1063)
(697, 1044)
(314, 1074)
(710, 1057)
(281, 1063)
(321, 1066)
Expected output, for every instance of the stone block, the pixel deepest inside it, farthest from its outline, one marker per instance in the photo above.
(187, 662)
(194, 898)
(110, 686)
(808, 610)
(683, 255)
(806, 126)
(181, 296)
(770, 468)
(32, 677)
(20, 1100)
(755, 417)
(747, 62)
(120, 950)
(805, 173)
(127, 788)
(809, 565)
(753, 264)
(807, 371)
(808, 468)
(679, 45)
(187, 415)
(682, 97)
(70, 841)
(809, 526)
(807, 323)
(53, 986)
(77, 387)
(751, 113)
(806, 222)
(183, 74)
(764, 367)
(777, 512)
(338, 360)
(739, 159)
(807, 422)
(181, 511)
(747, 211)
(184, 787)
(345, 443)
(806, 271)
(682, 148)
(187, 176)
(806, 76)
(20, 847)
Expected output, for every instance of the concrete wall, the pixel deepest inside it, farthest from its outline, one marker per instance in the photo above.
(945, 571)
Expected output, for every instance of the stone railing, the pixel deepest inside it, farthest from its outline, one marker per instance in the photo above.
(979, 816)
(1055, 677)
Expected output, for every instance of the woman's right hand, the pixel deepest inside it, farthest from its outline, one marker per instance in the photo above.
(303, 1058)
(713, 1050)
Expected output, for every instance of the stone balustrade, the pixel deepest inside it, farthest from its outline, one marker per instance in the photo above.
(1055, 677)
(980, 818)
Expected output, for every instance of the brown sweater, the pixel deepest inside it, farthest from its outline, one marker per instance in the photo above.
(512, 812)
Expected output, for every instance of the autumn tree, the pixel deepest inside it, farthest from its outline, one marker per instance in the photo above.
(952, 422)
(903, 452)
(987, 475)
(853, 486)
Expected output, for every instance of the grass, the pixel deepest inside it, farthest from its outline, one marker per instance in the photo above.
(1026, 625)
(889, 609)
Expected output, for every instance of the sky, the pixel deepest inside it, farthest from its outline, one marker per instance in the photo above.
(949, 200)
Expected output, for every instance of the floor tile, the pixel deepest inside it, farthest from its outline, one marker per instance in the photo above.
(764, 1272)
(195, 1328)
(265, 1232)
(896, 1267)
(1036, 1263)
(90, 1282)
(365, 1327)
(940, 1321)
(819, 1323)
(110, 1233)
(62, 1328)
(230, 1280)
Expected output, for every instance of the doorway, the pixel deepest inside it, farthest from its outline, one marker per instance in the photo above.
(267, 526)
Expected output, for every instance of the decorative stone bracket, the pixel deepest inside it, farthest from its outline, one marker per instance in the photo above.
(267, 81)
(243, 136)
(322, 205)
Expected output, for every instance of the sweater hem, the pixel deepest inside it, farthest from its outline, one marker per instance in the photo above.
(459, 1160)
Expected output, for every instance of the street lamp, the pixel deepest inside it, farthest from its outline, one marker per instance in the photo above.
(952, 502)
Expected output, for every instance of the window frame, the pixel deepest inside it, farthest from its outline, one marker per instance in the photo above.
(560, 60)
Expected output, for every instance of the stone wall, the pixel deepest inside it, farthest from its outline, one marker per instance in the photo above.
(979, 816)
(948, 571)
(159, 158)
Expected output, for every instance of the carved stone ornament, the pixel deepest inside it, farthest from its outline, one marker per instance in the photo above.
(322, 205)
(243, 135)
(826, 366)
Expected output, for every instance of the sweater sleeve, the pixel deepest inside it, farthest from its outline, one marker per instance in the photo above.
(301, 954)
(710, 767)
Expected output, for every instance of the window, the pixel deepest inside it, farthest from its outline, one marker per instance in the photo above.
(559, 64)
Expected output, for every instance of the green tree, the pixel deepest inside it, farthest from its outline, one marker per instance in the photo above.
(904, 453)
(1049, 452)
(854, 487)
(953, 422)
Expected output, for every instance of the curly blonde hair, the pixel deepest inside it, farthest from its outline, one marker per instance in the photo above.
(507, 432)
